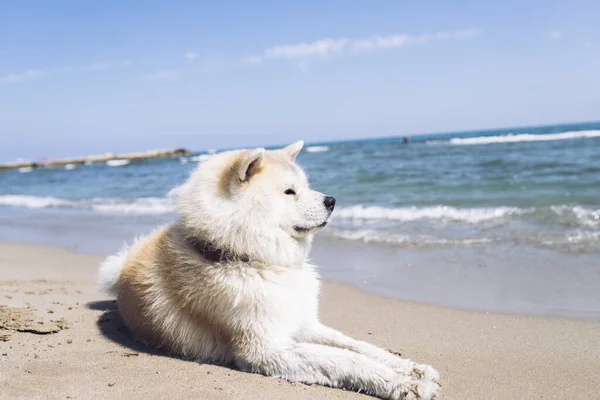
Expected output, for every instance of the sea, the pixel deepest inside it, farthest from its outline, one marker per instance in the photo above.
(518, 205)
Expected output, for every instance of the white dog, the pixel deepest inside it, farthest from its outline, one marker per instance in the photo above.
(229, 281)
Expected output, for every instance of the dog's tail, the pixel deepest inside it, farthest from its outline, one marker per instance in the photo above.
(110, 269)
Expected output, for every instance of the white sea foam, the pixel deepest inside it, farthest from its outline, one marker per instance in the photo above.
(146, 205)
(24, 170)
(183, 160)
(472, 215)
(580, 236)
(201, 157)
(585, 216)
(317, 149)
(573, 239)
(117, 163)
(35, 201)
(524, 137)
(69, 167)
(373, 236)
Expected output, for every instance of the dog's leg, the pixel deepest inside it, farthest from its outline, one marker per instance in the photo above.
(321, 334)
(334, 367)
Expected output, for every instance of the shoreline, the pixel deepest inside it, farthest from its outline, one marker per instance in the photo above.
(504, 279)
(328, 281)
(479, 354)
(341, 283)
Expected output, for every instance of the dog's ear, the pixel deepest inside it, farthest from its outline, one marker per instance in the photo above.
(294, 149)
(249, 163)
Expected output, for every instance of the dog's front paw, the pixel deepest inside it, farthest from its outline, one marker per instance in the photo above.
(410, 388)
(417, 371)
(427, 372)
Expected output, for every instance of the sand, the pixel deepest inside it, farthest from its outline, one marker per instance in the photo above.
(61, 338)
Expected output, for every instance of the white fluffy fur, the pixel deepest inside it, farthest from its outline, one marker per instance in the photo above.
(261, 315)
(109, 271)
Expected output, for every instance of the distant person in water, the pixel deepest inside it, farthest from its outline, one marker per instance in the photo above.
(405, 139)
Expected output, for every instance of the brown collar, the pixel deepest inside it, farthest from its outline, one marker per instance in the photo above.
(212, 253)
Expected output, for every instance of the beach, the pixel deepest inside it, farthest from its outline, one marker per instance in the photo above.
(475, 252)
(81, 350)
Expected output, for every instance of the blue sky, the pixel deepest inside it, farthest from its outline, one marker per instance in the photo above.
(89, 77)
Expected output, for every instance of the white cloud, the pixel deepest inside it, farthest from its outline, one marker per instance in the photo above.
(163, 75)
(328, 47)
(30, 74)
(556, 34)
(190, 55)
(18, 77)
(323, 48)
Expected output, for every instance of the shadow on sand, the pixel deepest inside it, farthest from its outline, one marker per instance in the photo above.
(112, 327)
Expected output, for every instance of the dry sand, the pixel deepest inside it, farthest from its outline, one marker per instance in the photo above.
(65, 340)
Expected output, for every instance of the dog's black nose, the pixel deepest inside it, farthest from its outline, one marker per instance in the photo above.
(329, 202)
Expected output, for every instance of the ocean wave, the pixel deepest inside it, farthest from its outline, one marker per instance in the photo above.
(373, 236)
(117, 163)
(35, 201)
(583, 237)
(147, 205)
(406, 214)
(572, 241)
(584, 216)
(69, 167)
(567, 216)
(317, 149)
(24, 170)
(144, 205)
(524, 137)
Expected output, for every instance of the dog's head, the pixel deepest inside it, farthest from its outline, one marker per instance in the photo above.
(255, 202)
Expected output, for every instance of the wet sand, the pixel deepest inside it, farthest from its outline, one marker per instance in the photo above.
(64, 339)
(513, 279)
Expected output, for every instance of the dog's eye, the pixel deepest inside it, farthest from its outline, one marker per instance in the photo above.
(290, 192)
